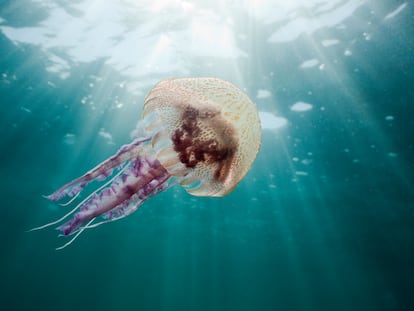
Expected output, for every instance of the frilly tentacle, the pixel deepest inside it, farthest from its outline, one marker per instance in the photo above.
(101, 171)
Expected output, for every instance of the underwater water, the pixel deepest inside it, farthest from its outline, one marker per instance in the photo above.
(324, 219)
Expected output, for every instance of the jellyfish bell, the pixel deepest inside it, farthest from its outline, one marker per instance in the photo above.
(207, 132)
(202, 133)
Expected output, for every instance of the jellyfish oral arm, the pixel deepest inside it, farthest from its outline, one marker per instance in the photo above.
(142, 178)
(101, 171)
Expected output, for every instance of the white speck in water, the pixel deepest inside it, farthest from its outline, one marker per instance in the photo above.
(263, 94)
(25, 109)
(309, 63)
(329, 42)
(69, 139)
(271, 122)
(301, 106)
(396, 11)
(347, 52)
(306, 161)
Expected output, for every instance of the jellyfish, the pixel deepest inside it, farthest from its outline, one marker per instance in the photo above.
(201, 133)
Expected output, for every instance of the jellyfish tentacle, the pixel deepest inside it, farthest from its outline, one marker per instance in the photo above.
(126, 208)
(68, 202)
(121, 211)
(74, 238)
(78, 205)
(142, 178)
(130, 205)
(101, 171)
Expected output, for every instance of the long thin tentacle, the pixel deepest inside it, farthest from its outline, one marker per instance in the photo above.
(78, 205)
(75, 237)
(70, 201)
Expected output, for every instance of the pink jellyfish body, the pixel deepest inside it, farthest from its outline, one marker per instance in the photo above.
(203, 133)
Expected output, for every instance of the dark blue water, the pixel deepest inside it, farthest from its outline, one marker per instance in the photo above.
(324, 220)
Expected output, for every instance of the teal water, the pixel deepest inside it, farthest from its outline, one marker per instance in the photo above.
(324, 220)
